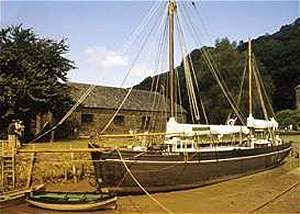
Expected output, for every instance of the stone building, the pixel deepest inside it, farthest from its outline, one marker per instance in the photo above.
(297, 97)
(142, 111)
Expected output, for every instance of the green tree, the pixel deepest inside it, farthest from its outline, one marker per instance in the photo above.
(288, 117)
(33, 72)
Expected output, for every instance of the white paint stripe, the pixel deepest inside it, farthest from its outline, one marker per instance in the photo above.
(201, 161)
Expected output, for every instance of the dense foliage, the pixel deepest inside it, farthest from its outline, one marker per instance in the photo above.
(278, 58)
(33, 71)
(280, 53)
(289, 117)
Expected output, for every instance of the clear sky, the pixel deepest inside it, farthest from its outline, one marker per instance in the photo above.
(99, 32)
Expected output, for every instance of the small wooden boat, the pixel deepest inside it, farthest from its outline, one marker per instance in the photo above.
(67, 201)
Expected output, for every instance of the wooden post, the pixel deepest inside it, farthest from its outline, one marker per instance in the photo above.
(74, 171)
(241, 137)
(29, 179)
(11, 141)
(13, 152)
(2, 165)
(51, 121)
(66, 171)
(250, 76)
(38, 119)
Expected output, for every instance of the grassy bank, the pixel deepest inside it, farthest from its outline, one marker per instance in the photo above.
(294, 138)
(54, 167)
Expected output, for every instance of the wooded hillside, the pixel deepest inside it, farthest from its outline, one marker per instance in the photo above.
(277, 55)
(280, 54)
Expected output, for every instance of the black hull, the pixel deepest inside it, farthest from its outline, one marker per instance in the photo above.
(159, 172)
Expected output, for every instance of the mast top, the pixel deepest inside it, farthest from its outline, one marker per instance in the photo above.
(172, 6)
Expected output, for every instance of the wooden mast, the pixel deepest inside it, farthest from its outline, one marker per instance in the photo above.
(250, 76)
(172, 77)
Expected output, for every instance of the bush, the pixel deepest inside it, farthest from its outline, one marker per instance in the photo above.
(289, 117)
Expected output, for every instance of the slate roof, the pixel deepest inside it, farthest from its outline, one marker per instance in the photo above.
(111, 97)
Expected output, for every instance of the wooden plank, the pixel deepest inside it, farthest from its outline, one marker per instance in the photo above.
(74, 170)
(88, 150)
(13, 164)
(139, 134)
(2, 166)
(53, 150)
(29, 179)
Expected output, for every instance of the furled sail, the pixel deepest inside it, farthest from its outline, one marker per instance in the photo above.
(261, 124)
(201, 129)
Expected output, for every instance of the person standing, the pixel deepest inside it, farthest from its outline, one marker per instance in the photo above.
(19, 129)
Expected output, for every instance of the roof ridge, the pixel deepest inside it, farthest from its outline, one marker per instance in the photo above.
(110, 97)
(113, 87)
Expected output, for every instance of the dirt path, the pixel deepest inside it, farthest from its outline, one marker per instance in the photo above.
(241, 195)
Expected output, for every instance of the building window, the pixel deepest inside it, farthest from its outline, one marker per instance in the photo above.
(145, 122)
(87, 118)
(119, 120)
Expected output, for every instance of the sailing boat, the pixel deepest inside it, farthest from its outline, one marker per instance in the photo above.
(186, 159)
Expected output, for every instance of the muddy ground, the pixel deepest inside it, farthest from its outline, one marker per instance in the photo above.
(242, 195)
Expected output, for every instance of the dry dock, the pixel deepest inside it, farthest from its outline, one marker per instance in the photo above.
(273, 191)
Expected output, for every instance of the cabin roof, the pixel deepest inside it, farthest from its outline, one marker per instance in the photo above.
(105, 97)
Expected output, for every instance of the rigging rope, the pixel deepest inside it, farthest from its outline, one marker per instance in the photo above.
(125, 79)
(140, 186)
(146, 38)
(160, 67)
(134, 36)
(188, 70)
(155, 81)
(74, 107)
(263, 87)
(195, 80)
(275, 197)
(258, 86)
(179, 94)
(216, 74)
(240, 90)
(116, 112)
(151, 13)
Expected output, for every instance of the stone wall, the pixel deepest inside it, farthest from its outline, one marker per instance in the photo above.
(128, 121)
